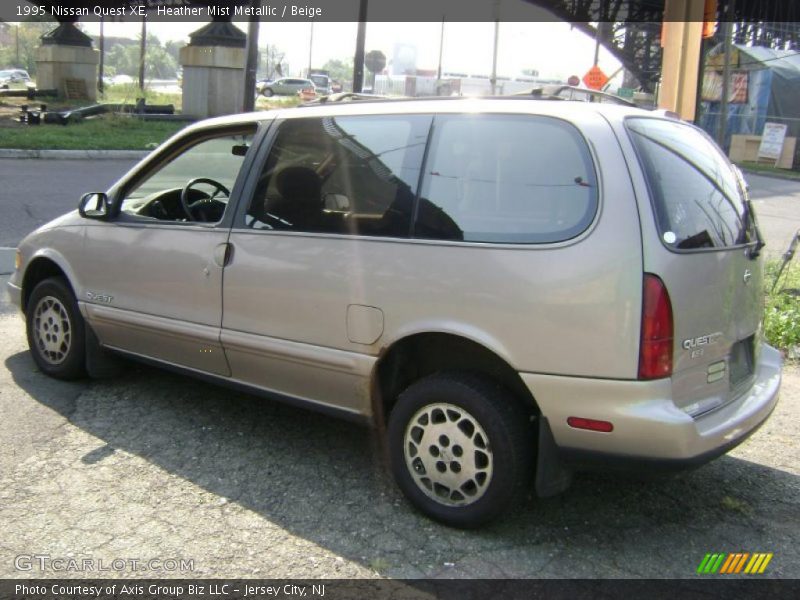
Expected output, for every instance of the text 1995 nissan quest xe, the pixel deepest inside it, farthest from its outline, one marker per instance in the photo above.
(511, 289)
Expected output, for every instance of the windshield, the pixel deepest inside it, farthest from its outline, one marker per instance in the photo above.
(698, 199)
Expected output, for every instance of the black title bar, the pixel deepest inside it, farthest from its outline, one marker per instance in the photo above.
(585, 11)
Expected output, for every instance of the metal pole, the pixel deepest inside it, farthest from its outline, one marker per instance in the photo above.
(251, 60)
(726, 75)
(701, 74)
(361, 38)
(142, 49)
(597, 45)
(310, 49)
(441, 49)
(16, 43)
(101, 66)
(493, 80)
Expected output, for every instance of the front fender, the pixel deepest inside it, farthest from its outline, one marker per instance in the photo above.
(62, 247)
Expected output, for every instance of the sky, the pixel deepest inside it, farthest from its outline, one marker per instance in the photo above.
(554, 49)
(551, 47)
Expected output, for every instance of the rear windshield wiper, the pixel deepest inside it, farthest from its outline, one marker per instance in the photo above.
(749, 216)
(754, 248)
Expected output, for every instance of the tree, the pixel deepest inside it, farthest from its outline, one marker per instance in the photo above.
(274, 62)
(173, 48)
(340, 70)
(375, 61)
(30, 34)
(159, 62)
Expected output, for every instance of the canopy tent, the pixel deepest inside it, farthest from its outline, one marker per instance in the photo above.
(765, 87)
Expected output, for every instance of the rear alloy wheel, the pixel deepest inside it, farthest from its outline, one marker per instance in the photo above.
(460, 448)
(55, 330)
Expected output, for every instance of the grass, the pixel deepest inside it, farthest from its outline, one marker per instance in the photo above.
(761, 168)
(108, 132)
(129, 92)
(782, 308)
(263, 103)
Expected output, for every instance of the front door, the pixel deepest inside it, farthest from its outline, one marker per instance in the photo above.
(154, 273)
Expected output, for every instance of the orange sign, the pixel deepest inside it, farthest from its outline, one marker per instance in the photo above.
(595, 78)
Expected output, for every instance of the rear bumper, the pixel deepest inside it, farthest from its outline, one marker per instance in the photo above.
(649, 430)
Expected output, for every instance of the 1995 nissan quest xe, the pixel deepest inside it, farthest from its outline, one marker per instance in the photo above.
(510, 289)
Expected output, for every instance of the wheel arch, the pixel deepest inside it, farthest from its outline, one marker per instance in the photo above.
(418, 355)
(43, 266)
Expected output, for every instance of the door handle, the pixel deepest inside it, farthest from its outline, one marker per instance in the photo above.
(223, 254)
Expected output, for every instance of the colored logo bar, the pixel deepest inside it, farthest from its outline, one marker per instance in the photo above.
(735, 562)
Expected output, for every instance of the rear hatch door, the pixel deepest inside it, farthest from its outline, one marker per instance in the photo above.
(702, 241)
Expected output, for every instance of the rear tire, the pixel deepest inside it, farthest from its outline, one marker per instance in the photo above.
(56, 331)
(461, 448)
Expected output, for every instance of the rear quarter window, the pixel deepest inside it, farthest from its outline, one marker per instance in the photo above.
(506, 179)
(696, 196)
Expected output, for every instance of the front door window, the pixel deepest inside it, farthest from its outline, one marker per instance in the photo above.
(193, 186)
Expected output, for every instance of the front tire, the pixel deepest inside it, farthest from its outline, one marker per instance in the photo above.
(56, 331)
(268, 93)
(460, 448)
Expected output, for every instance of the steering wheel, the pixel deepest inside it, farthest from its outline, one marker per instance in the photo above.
(190, 207)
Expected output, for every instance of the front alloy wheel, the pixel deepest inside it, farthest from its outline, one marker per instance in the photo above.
(52, 330)
(56, 331)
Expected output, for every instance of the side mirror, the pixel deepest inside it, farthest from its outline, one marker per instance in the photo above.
(94, 205)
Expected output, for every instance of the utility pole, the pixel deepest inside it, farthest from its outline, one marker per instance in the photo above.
(441, 49)
(251, 59)
(310, 49)
(597, 45)
(142, 49)
(16, 43)
(361, 38)
(493, 80)
(101, 66)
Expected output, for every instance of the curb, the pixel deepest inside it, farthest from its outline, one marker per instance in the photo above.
(7, 260)
(771, 175)
(75, 154)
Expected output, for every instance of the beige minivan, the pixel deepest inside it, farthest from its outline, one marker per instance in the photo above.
(508, 289)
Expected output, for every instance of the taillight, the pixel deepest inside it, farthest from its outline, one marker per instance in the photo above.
(655, 351)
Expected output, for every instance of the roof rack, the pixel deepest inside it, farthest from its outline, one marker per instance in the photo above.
(569, 92)
(350, 97)
(535, 94)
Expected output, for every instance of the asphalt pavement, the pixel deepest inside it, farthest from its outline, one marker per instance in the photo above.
(777, 206)
(152, 465)
(35, 191)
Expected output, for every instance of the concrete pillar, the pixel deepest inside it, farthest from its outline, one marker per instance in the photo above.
(213, 70)
(682, 36)
(67, 53)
